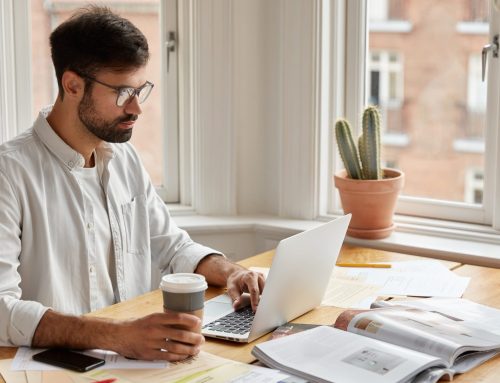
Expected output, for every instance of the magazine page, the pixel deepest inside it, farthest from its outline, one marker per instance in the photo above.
(433, 375)
(291, 328)
(427, 332)
(326, 354)
(471, 313)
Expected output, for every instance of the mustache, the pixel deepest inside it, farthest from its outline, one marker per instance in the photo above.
(127, 118)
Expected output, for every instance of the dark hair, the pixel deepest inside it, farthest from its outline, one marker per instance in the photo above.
(95, 38)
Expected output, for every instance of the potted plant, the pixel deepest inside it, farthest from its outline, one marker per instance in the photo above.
(366, 190)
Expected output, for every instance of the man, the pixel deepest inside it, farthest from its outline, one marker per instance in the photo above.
(80, 222)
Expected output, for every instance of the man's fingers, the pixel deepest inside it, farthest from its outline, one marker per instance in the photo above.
(254, 290)
(164, 355)
(174, 318)
(250, 282)
(262, 282)
(234, 293)
(179, 348)
(180, 335)
(245, 281)
(163, 336)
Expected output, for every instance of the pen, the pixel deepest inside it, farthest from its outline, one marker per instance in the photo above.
(106, 381)
(375, 265)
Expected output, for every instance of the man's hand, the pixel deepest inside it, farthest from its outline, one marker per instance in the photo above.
(175, 333)
(220, 272)
(245, 281)
(161, 336)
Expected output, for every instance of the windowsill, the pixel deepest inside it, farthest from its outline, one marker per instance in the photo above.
(395, 139)
(179, 210)
(391, 26)
(472, 28)
(464, 243)
(469, 146)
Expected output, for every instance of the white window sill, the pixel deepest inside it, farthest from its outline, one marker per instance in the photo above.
(472, 28)
(464, 243)
(469, 146)
(395, 139)
(391, 26)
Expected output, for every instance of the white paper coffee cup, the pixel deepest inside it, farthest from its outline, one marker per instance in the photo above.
(184, 292)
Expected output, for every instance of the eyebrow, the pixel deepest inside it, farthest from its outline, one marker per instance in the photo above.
(130, 86)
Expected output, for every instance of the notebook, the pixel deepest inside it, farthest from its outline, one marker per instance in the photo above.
(296, 283)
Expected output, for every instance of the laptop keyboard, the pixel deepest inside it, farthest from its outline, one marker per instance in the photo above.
(238, 322)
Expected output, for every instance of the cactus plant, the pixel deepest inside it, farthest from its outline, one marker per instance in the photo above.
(363, 161)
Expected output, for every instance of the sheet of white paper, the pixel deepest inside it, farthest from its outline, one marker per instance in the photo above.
(420, 266)
(350, 294)
(23, 361)
(11, 376)
(410, 278)
(203, 368)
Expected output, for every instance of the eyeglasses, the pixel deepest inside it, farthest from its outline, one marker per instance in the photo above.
(125, 94)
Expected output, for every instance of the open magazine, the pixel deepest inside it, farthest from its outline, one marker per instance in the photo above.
(388, 344)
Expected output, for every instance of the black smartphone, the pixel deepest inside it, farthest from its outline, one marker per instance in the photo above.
(68, 359)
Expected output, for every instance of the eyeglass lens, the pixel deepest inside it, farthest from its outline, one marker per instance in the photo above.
(127, 93)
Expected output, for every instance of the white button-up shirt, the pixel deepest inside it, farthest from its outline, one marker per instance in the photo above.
(46, 243)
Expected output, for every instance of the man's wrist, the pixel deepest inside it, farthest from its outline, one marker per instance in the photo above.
(217, 269)
(78, 332)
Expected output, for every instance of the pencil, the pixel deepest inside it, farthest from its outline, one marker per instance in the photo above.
(111, 380)
(375, 265)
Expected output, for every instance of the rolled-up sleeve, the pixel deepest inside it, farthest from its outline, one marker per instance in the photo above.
(18, 319)
(171, 247)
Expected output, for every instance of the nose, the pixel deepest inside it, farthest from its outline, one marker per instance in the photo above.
(133, 106)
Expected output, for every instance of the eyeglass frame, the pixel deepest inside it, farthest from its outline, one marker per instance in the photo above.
(119, 89)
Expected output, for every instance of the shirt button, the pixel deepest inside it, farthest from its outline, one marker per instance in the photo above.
(70, 164)
(90, 225)
(91, 269)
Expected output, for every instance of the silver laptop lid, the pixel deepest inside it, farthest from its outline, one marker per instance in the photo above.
(299, 275)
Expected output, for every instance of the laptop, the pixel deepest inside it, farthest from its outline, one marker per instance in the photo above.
(296, 283)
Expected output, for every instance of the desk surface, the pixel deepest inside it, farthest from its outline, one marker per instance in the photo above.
(484, 288)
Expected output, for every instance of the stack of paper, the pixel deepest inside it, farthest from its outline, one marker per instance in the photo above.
(203, 368)
(357, 287)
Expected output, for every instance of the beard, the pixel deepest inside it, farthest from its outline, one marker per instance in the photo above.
(108, 131)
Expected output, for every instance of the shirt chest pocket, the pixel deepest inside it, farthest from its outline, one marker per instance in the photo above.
(135, 219)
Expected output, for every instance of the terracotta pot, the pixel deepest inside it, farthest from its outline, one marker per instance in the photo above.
(371, 202)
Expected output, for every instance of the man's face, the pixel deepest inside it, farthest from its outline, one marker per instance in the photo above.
(99, 113)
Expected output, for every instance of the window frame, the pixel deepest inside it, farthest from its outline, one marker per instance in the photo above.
(15, 68)
(357, 52)
(170, 190)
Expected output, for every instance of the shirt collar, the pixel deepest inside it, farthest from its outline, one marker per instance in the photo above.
(69, 156)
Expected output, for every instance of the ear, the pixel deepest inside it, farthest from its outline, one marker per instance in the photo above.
(73, 85)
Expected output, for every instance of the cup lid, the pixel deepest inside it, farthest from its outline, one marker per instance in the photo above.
(183, 283)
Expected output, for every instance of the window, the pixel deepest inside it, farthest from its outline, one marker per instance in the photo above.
(446, 114)
(384, 10)
(474, 186)
(157, 127)
(475, 11)
(476, 97)
(388, 15)
(385, 89)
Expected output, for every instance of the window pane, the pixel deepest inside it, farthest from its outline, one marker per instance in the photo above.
(430, 93)
(47, 15)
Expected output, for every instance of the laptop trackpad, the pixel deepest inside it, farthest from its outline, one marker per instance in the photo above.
(217, 307)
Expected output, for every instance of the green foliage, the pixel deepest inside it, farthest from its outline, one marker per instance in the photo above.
(365, 163)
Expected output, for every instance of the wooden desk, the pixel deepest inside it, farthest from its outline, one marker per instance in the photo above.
(484, 288)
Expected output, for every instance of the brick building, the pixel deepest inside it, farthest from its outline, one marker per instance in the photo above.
(425, 73)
